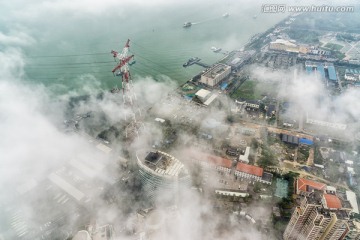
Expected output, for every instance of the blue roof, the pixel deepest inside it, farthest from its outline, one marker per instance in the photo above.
(321, 70)
(187, 97)
(305, 141)
(332, 73)
(223, 86)
(309, 69)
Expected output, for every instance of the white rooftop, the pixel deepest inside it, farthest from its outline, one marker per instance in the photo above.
(159, 120)
(285, 42)
(245, 157)
(202, 93)
(67, 187)
(350, 170)
(209, 101)
(349, 162)
(103, 148)
(351, 197)
(331, 188)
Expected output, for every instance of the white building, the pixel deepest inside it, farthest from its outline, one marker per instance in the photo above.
(245, 158)
(215, 74)
(253, 173)
(284, 45)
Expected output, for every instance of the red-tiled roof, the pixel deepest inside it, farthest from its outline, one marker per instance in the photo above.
(332, 201)
(305, 185)
(253, 170)
(211, 159)
(219, 161)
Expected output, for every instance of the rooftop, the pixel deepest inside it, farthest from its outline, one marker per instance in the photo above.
(351, 197)
(215, 160)
(253, 170)
(284, 42)
(267, 177)
(216, 70)
(332, 201)
(306, 185)
(202, 93)
(161, 163)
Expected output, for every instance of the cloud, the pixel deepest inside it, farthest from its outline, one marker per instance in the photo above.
(15, 38)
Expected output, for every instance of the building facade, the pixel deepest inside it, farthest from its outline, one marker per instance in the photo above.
(215, 74)
(161, 172)
(252, 173)
(310, 221)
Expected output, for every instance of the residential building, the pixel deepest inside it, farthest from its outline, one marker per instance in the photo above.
(354, 232)
(311, 221)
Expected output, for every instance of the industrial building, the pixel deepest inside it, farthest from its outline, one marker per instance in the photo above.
(240, 58)
(160, 171)
(352, 75)
(284, 45)
(205, 97)
(325, 70)
(253, 173)
(336, 125)
(215, 74)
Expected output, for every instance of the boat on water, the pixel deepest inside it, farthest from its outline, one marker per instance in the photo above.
(215, 49)
(255, 16)
(187, 24)
(225, 15)
(191, 61)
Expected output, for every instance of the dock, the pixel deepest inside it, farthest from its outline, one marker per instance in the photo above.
(195, 60)
(202, 64)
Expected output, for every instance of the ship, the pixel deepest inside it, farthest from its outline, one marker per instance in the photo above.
(191, 61)
(187, 24)
(226, 15)
(255, 16)
(215, 49)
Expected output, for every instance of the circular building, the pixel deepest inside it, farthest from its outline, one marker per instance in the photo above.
(161, 173)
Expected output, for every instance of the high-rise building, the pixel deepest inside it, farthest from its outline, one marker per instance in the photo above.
(319, 217)
(161, 172)
(354, 233)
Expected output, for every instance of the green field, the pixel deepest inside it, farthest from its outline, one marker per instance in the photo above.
(334, 46)
(247, 91)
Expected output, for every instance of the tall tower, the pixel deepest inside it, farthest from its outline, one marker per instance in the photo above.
(124, 60)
